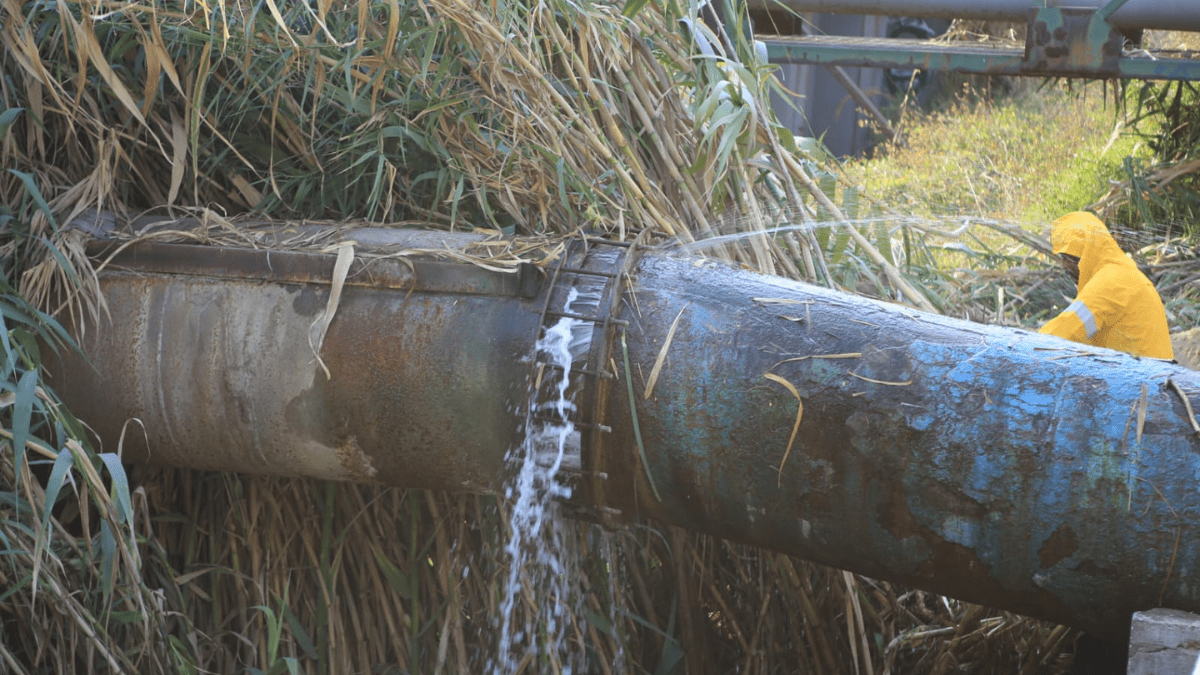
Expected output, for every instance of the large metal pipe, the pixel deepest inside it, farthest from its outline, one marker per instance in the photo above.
(992, 464)
(1135, 14)
(206, 360)
(989, 464)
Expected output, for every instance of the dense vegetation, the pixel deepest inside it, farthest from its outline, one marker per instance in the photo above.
(534, 120)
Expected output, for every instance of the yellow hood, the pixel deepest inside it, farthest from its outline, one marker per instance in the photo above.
(1116, 306)
(1084, 236)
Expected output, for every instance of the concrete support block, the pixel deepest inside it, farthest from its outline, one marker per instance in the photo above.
(1164, 642)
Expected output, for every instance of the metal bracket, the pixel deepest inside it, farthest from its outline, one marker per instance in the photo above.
(1061, 42)
(603, 266)
(1073, 41)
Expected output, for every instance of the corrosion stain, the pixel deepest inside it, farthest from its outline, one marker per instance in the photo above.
(815, 502)
(1041, 34)
(309, 300)
(961, 571)
(958, 571)
(950, 560)
(895, 517)
(1091, 569)
(308, 414)
(949, 499)
(1058, 546)
(356, 462)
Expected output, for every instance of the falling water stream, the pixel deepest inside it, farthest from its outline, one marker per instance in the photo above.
(541, 589)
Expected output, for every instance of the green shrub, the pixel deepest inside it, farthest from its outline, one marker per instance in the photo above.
(1028, 158)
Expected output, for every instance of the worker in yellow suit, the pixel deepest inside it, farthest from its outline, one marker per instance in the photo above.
(1116, 306)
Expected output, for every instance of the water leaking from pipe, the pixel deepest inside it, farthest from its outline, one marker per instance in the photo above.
(539, 547)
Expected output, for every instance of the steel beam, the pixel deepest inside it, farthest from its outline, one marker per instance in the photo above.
(964, 58)
(1133, 15)
(1068, 41)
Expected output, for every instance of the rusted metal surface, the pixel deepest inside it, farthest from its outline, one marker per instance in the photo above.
(989, 464)
(218, 372)
(302, 267)
(1073, 42)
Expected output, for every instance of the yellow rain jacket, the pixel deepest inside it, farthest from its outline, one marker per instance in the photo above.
(1116, 306)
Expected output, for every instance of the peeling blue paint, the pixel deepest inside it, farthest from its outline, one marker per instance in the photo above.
(986, 463)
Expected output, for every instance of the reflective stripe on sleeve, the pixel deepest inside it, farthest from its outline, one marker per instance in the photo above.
(1085, 315)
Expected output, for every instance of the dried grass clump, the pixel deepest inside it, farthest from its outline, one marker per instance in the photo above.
(529, 119)
(352, 578)
(1161, 191)
(546, 117)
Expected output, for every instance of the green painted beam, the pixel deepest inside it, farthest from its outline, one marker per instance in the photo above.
(963, 58)
(1133, 15)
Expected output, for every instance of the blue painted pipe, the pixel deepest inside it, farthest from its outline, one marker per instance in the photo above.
(990, 464)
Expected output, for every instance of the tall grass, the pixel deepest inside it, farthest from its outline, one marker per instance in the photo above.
(1126, 152)
(535, 119)
(73, 553)
(1161, 189)
(1025, 159)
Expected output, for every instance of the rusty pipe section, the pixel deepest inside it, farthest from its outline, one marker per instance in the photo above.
(990, 464)
(208, 362)
(985, 463)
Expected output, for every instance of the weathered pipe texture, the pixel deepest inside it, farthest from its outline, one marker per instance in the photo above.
(211, 351)
(990, 464)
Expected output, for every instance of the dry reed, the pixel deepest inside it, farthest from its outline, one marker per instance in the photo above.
(526, 118)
